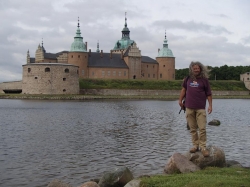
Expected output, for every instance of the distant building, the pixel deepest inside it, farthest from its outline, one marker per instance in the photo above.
(59, 73)
(245, 77)
(124, 61)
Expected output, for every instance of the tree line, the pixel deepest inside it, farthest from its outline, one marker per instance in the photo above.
(217, 73)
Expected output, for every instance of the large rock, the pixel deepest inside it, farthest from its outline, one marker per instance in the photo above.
(216, 158)
(119, 178)
(178, 163)
(133, 183)
(233, 163)
(89, 184)
(58, 183)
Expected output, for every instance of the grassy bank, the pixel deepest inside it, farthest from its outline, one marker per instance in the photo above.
(209, 177)
(155, 85)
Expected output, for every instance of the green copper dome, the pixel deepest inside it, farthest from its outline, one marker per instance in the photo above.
(125, 41)
(78, 45)
(165, 51)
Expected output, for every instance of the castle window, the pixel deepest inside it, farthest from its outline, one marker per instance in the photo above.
(153, 75)
(103, 73)
(153, 66)
(163, 65)
(66, 70)
(114, 73)
(108, 73)
(120, 73)
(142, 74)
(29, 70)
(124, 73)
(47, 69)
(35, 77)
(93, 73)
(247, 78)
(160, 75)
(147, 66)
(78, 56)
(77, 72)
(148, 75)
(71, 56)
(83, 72)
(64, 79)
(64, 90)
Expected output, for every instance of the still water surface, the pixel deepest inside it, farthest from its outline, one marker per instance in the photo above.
(76, 141)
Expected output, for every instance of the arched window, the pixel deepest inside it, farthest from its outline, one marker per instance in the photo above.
(66, 70)
(47, 69)
(29, 70)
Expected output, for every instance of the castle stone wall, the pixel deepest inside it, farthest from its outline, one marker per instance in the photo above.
(14, 85)
(49, 78)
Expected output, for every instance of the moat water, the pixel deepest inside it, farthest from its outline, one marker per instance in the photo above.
(75, 141)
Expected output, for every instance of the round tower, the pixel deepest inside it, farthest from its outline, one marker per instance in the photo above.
(78, 54)
(166, 62)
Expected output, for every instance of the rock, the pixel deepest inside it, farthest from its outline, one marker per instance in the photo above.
(216, 158)
(89, 184)
(214, 122)
(133, 183)
(180, 164)
(118, 178)
(58, 183)
(233, 163)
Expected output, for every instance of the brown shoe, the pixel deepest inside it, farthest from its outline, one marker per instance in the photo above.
(205, 152)
(194, 149)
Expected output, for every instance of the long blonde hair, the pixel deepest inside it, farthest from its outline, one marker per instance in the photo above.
(204, 71)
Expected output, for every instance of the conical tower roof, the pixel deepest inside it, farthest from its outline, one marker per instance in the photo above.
(78, 44)
(165, 51)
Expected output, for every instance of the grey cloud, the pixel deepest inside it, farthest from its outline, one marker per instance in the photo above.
(191, 26)
(246, 40)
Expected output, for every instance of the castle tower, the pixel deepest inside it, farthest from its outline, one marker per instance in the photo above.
(78, 54)
(166, 62)
(98, 50)
(40, 53)
(28, 57)
(124, 42)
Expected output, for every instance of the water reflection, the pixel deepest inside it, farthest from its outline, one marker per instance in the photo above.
(76, 141)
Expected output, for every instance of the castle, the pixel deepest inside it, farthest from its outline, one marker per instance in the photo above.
(59, 73)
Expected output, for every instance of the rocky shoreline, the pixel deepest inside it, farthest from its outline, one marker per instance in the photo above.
(177, 163)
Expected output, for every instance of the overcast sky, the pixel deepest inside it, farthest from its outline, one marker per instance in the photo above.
(214, 32)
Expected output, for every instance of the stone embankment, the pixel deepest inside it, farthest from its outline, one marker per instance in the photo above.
(89, 94)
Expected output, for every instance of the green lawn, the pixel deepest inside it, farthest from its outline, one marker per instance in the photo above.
(209, 177)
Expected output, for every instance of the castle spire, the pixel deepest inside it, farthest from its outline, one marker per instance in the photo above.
(125, 19)
(125, 30)
(98, 50)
